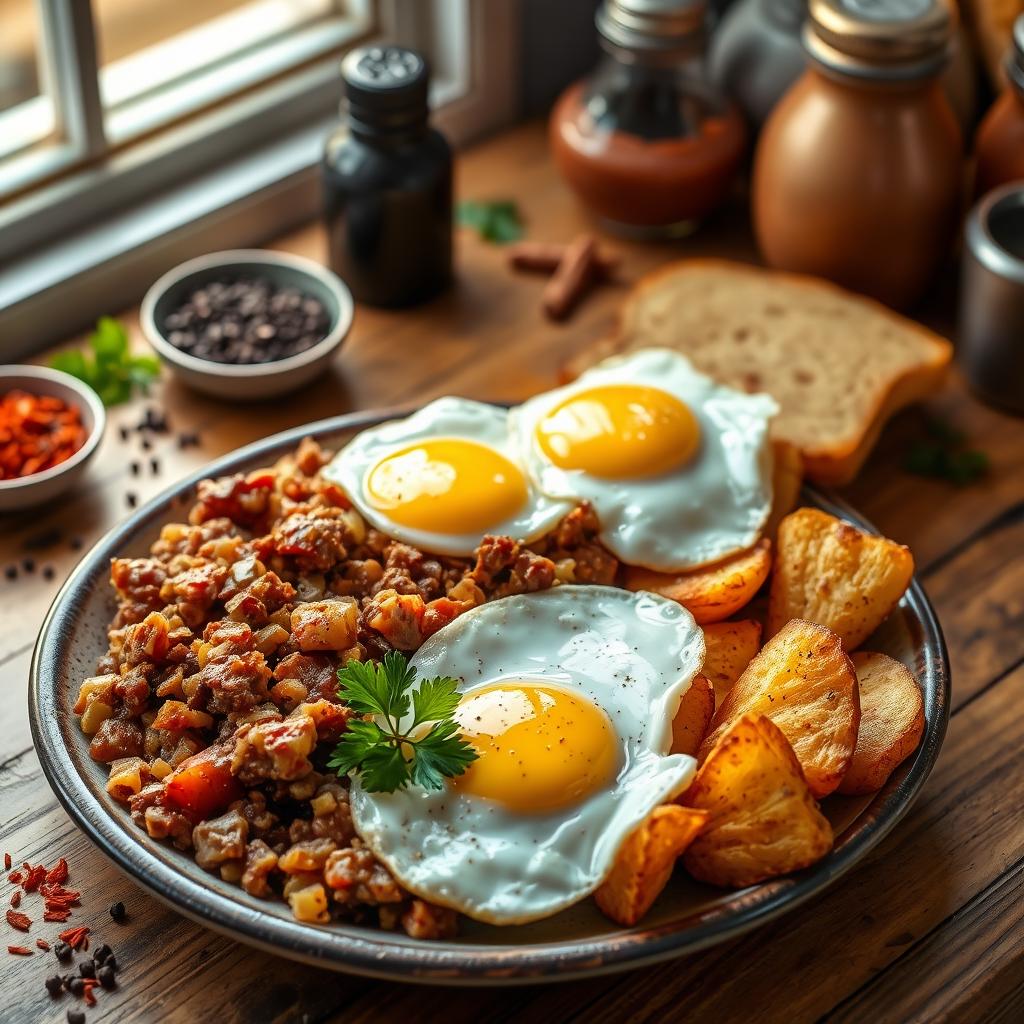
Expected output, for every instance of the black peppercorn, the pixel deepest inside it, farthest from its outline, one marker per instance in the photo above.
(76, 986)
(62, 951)
(106, 976)
(87, 969)
(76, 1016)
(54, 985)
(102, 954)
(117, 911)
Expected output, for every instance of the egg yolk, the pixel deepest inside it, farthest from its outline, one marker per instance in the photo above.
(620, 431)
(448, 486)
(539, 747)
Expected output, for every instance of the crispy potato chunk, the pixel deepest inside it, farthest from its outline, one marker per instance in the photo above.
(787, 478)
(645, 861)
(829, 572)
(690, 725)
(763, 819)
(729, 648)
(804, 682)
(891, 721)
(711, 593)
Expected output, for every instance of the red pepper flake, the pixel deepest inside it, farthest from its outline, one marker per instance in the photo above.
(39, 432)
(58, 874)
(19, 950)
(87, 995)
(20, 921)
(76, 938)
(35, 877)
(16, 898)
(43, 945)
(59, 916)
(14, 877)
(7, 862)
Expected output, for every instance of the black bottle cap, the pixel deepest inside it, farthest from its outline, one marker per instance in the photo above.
(386, 87)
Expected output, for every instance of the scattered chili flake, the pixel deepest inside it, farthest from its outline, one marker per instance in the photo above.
(58, 874)
(89, 997)
(58, 916)
(35, 877)
(19, 950)
(43, 945)
(15, 877)
(76, 938)
(16, 898)
(18, 920)
(7, 862)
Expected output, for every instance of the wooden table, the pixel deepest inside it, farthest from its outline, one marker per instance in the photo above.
(931, 926)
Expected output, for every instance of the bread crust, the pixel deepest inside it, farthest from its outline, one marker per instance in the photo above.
(831, 460)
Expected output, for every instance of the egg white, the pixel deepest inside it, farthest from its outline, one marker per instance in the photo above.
(713, 506)
(634, 655)
(444, 418)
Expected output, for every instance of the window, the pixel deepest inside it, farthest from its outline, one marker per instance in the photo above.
(134, 133)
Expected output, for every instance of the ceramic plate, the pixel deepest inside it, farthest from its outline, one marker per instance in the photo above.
(686, 918)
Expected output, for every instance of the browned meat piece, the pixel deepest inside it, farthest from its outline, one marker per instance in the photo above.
(274, 750)
(307, 855)
(163, 823)
(195, 590)
(425, 921)
(235, 682)
(397, 618)
(357, 577)
(316, 541)
(117, 738)
(576, 539)
(317, 672)
(259, 599)
(408, 571)
(148, 796)
(504, 567)
(329, 717)
(310, 458)
(146, 641)
(260, 861)
(242, 499)
(332, 815)
(138, 582)
(262, 821)
(220, 839)
(356, 876)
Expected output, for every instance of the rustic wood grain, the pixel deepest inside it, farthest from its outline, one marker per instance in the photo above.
(928, 928)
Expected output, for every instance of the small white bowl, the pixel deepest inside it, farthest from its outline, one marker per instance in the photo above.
(26, 491)
(255, 380)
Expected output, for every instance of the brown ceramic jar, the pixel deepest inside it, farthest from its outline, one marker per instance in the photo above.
(1000, 142)
(858, 175)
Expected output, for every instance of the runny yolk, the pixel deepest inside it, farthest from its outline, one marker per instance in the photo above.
(447, 485)
(620, 432)
(539, 747)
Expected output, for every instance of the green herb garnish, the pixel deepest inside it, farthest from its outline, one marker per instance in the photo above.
(111, 370)
(496, 220)
(943, 455)
(387, 753)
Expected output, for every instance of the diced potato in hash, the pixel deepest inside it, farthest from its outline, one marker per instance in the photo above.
(729, 648)
(787, 478)
(891, 721)
(644, 863)
(827, 571)
(326, 625)
(713, 592)
(763, 820)
(690, 725)
(804, 682)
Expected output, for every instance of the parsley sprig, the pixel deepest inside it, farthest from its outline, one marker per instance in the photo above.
(387, 752)
(496, 220)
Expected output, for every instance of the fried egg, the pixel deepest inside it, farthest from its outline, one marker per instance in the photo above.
(677, 467)
(443, 478)
(568, 697)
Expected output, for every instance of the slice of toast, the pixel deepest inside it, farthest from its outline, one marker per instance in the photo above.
(839, 365)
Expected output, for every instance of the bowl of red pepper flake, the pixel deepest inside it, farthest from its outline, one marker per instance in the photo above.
(50, 426)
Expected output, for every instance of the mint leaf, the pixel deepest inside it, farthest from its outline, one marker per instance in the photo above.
(496, 221)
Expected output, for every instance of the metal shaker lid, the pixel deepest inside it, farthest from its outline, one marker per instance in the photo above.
(1015, 58)
(386, 86)
(650, 24)
(880, 39)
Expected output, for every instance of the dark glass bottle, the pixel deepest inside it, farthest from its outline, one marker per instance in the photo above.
(387, 177)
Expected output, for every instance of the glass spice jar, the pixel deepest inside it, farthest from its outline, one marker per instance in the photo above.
(387, 183)
(858, 173)
(1000, 141)
(647, 141)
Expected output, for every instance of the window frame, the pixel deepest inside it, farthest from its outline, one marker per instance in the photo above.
(234, 175)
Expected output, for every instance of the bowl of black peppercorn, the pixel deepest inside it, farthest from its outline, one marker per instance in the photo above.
(247, 324)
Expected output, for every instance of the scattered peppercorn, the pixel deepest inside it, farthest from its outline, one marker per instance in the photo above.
(123, 431)
(134, 467)
(62, 950)
(28, 564)
(76, 986)
(11, 572)
(117, 911)
(106, 976)
(77, 543)
(75, 1016)
(131, 499)
(54, 985)
(111, 962)
(102, 954)
(86, 968)
(154, 465)
(48, 572)
(146, 444)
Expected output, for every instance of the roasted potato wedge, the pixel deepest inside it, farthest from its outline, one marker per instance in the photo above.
(891, 721)
(763, 819)
(729, 648)
(804, 682)
(829, 572)
(714, 592)
(787, 478)
(693, 718)
(645, 862)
